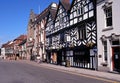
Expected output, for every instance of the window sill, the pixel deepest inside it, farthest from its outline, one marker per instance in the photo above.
(107, 29)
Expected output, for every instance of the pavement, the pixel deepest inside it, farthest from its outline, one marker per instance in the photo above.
(101, 75)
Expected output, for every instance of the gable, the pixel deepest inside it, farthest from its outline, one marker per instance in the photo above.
(81, 10)
(61, 20)
(49, 24)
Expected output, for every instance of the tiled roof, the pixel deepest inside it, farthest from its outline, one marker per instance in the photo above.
(23, 42)
(53, 12)
(66, 4)
(8, 44)
(21, 37)
(44, 13)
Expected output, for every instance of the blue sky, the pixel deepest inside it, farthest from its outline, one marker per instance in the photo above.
(14, 16)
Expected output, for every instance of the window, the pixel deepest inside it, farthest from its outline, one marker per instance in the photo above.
(116, 42)
(62, 22)
(81, 56)
(71, 16)
(108, 14)
(75, 13)
(105, 50)
(50, 41)
(82, 32)
(61, 37)
(90, 6)
(69, 53)
(86, 8)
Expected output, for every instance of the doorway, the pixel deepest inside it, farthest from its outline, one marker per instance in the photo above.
(116, 59)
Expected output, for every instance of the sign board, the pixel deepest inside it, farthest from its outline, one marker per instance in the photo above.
(95, 49)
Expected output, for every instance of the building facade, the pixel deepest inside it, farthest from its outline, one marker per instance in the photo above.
(49, 28)
(3, 52)
(39, 35)
(73, 37)
(108, 28)
(12, 49)
(16, 43)
(30, 35)
(7, 50)
(22, 49)
(55, 37)
(83, 34)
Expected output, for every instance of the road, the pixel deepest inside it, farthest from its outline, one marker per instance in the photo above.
(17, 72)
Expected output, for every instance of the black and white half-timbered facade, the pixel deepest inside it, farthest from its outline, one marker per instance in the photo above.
(55, 35)
(82, 34)
(72, 37)
(49, 31)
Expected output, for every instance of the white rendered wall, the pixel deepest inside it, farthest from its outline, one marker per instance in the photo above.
(101, 26)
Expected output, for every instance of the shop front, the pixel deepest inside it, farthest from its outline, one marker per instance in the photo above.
(55, 56)
(81, 57)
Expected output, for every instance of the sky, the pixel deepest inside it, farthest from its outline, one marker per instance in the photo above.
(14, 16)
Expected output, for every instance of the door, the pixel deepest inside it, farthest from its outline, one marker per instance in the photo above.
(59, 57)
(116, 59)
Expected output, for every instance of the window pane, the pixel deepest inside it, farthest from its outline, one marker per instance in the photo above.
(109, 21)
(82, 32)
(86, 8)
(108, 12)
(90, 6)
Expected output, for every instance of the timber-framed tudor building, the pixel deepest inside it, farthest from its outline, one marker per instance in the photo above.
(71, 35)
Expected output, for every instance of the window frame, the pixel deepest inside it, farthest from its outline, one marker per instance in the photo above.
(108, 16)
(105, 50)
(82, 32)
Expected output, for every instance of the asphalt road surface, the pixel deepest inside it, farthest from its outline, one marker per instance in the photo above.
(17, 72)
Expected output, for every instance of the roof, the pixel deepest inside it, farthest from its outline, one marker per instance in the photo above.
(66, 4)
(23, 42)
(43, 14)
(8, 44)
(21, 37)
(46, 12)
(53, 10)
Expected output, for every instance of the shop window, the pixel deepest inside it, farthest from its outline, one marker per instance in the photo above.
(81, 56)
(69, 53)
